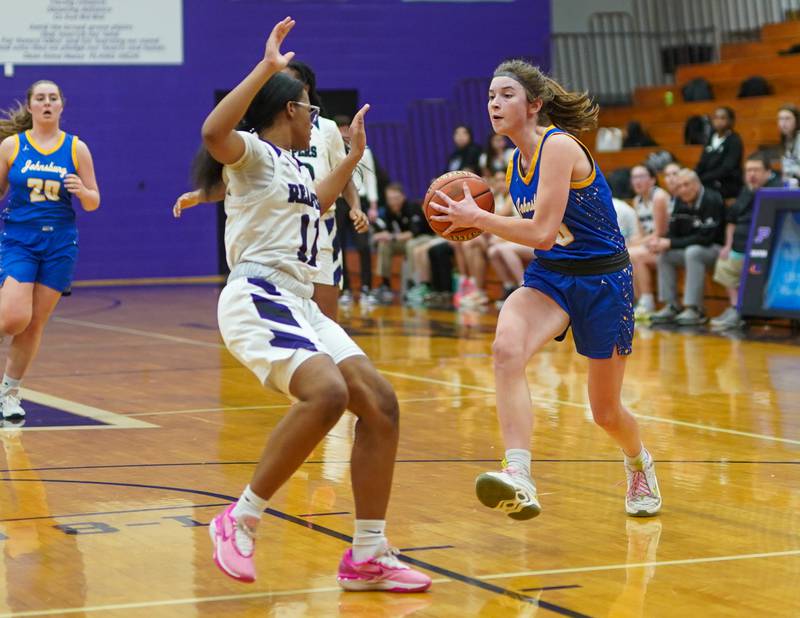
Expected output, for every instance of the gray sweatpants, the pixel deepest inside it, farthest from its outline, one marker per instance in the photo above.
(695, 258)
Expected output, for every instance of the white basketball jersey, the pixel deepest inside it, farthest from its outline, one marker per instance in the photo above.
(325, 152)
(272, 211)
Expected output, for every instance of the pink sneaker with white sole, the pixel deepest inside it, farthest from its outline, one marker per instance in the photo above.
(383, 572)
(234, 544)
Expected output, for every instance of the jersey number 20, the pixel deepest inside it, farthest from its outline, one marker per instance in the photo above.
(42, 190)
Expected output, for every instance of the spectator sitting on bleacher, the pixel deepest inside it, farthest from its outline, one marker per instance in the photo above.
(728, 271)
(720, 165)
(789, 128)
(693, 240)
(671, 171)
(651, 205)
(467, 154)
(508, 259)
(399, 228)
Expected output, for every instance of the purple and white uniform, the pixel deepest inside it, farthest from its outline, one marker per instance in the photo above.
(266, 316)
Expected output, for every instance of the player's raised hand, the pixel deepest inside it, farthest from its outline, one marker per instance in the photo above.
(358, 132)
(273, 56)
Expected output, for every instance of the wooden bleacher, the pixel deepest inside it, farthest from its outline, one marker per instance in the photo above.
(755, 116)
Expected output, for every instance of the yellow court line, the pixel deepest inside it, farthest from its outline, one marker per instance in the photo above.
(634, 565)
(287, 404)
(457, 385)
(185, 601)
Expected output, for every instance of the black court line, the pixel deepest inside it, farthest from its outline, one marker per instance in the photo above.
(324, 514)
(408, 549)
(466, 579)
(399, 461)
(146, 523)
(113, 303)
(161, 508)
(551, 588)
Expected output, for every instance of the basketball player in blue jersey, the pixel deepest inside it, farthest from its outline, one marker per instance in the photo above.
(581, 278)
(41, 168)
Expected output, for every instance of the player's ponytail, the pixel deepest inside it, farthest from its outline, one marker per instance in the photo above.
(270, 101)
(17, 120)
(572, 111)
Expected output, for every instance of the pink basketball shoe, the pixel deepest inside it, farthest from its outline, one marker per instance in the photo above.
(234, 544)
(383, 572)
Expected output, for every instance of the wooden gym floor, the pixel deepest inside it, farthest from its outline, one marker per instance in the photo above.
(142, 426)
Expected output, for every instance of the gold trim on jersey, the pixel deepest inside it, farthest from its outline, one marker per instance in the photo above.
(582, 184)
(14, 152)
(41, 150)
(526, 178)
(75, 151)
(510, 169)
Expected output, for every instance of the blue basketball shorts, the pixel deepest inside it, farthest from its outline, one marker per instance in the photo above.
(39, 254)
(600, 307)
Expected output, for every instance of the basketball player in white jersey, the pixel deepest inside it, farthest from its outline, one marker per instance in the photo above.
(324, 152)
(270, 324)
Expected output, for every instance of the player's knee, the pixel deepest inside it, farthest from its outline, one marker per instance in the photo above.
(373, 400)
(330, 400)
(606, 415)
(386, 402)
(14, 322)
(507, 352)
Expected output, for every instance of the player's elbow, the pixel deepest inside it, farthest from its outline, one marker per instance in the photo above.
(210, 134)
(546, 242)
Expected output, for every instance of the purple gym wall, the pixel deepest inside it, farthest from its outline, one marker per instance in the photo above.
(142, 123)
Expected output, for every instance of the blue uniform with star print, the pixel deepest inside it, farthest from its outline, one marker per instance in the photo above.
(40, 239)
(587, 271)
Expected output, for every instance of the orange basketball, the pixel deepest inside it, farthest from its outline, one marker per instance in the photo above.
(452, 185)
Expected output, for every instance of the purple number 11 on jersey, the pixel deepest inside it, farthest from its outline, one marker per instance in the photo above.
(311, 259)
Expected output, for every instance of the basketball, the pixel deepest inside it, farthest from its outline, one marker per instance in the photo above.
(452, 185)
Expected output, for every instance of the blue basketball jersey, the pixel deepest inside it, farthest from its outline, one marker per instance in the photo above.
(589, 228)
(36, 179)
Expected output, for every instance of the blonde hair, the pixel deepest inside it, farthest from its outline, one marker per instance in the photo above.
(19, 119)
(572, 111)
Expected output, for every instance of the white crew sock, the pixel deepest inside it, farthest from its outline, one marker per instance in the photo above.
(519, 459)
(369, 538)
(249, 505)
